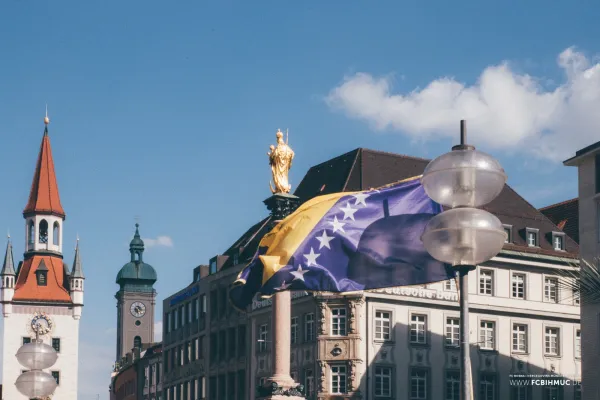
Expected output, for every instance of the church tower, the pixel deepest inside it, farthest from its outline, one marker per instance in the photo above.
(135, 300)
(39, 295)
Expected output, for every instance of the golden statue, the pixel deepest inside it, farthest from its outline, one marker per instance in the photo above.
(280, 159)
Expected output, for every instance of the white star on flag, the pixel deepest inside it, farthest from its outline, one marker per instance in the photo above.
(349, 211)
(311, 258)
(337, 225)
(299, 274)
(283, 286)
(360, 198)
(324, 240)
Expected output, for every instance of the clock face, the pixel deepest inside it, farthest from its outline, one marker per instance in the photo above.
(138, 309)
(42, 324)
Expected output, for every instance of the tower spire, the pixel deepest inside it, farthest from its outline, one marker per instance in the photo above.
(44, 197)
(8, 268)
(77, 268)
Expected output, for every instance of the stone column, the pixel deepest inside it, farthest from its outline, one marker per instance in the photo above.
(280, 312)
(281, 386)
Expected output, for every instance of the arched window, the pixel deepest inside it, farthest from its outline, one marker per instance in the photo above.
(31, 232)
(43, 231)
(56, 234)
(137, 256)
(137, 342)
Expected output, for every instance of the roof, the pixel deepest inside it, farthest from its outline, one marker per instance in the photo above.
(26, 287)
(363, 169)
(579, 154)
(8, 268)
(565, 215)
(44, 197)
(136, 271)
(77, 267)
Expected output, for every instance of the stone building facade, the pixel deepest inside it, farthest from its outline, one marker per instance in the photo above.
(587, 161)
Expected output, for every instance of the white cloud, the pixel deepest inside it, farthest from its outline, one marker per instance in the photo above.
(158, 328)
(164, 241)
(504, 109)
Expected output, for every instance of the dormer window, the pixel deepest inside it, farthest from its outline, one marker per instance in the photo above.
(236, 259)
(558, 241)
(41, 274)
(531, 234)
(508, 231)
(213, 267)
(42, 278)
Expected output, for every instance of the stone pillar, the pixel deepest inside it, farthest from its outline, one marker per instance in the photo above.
(280, 311)
(281, 386)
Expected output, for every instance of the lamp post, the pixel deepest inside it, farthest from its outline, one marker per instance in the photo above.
(36, 356)
(463, 235)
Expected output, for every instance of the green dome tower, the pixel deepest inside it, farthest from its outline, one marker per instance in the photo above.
(135, 300)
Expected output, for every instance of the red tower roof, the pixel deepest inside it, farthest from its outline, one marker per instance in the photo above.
(44, 197)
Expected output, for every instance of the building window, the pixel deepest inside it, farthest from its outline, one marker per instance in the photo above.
(26, 340)
(487, 387)
(338, 322)
(577, 392)
(262, 338)
(452, 385)
(518, 286)
(56, 376)
(338, 379)
(383, 382)
(42, 278)
(486, 282)
(309, 382)
(450, 285)
(519, 338)
(56, 344)
(508, 231)
(55, 234)
(241, 340)
(212, 267)
(418, 329)
(31, 231)
(576, 294)
(294, 330)
(309, 327)
(382, 325)
(551, 290)
(558, 241)
(452, 332)
(552, 341)
(532, 237)
(137, 342)
(578, 343)
(418, 384)
(519, 393)
(43, 231)
(552, 393)
(487, 335)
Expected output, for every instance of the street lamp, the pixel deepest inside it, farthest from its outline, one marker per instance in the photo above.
(36, 356)
(464, 236)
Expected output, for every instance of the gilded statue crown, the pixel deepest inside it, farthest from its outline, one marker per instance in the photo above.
(279, 134)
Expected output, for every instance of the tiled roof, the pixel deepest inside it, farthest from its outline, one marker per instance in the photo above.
(26, 287)
(363, 169)
(44, 197)
(565, 215)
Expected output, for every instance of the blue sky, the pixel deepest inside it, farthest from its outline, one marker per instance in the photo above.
(165, 110)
